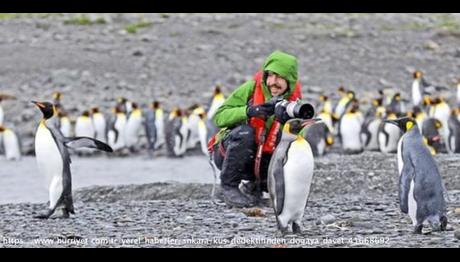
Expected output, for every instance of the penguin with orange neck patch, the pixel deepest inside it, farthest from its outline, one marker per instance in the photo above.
(53, 159)
(290, 174)
(421, 190)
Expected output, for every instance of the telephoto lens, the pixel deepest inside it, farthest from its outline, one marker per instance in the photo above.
(299, 109)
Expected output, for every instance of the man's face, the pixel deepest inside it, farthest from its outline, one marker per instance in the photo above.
(276, 84)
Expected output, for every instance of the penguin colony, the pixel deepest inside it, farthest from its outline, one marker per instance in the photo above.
(414, 129)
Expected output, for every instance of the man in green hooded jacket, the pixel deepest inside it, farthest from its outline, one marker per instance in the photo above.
(249, 120)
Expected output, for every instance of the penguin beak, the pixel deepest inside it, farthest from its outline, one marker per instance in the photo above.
(40, 105)
(310, 122)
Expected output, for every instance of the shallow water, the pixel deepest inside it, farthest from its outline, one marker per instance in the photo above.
(21, 182)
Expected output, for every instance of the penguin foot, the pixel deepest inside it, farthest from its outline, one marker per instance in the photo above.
(443, 223)
(296, 228)
(42, 216)
(65, 214)
(281, 233)
(418, 229)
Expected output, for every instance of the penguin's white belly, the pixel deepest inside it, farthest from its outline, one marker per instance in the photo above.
(65, 128)
(400, 160)
(100, 126)
(120, 139)
(321, 147)
(451, 144)
(1, 115)
(203, 135)
(183, 145)
(194, 133)
(298, 174)
(350, 132)
(416, 96)
(393, 138)
(133, 128)
(50, 163)
(178, 144)
(373, 130)
(11, 146)
(160, 134)
(412, 204)
(84, 128)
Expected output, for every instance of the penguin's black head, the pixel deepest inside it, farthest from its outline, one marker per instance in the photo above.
(156, 104)
(295, 125)
(95, 110)
(2, 129)
(122, 100)
(404, 123)
(85, 113)
(217, 90)
(48, 109)
(57, 95)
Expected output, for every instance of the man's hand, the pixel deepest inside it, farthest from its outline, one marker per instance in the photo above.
(281, 115)
(261, 111)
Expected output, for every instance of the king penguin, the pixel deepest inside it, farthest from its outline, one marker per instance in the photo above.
(99, 124)
(116, 130)
(150, 128)
(420, 185)
(11, 144)
(65, 125)
(192, 124)
(133, 127)
(290, 174)
(53, 159)
(453, 140)
(217, 100)
(176, 133)
(84, 127)
(350, 128)
(388, 135)
(319, 137)
(159, 124)
(203, 134)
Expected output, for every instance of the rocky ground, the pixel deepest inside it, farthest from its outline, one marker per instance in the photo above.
(177, 59)
(353, 203)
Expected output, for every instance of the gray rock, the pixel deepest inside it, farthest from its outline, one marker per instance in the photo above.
(457, 234)
(327, 219)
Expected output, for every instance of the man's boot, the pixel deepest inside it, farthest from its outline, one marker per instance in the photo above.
(234, 197)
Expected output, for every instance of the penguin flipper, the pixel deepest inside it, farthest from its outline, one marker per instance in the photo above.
(78, 142)
(276, 175)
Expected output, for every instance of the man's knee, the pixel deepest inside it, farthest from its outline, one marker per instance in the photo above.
(243, 135)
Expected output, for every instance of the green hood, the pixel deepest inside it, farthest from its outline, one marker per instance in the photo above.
(284, 65)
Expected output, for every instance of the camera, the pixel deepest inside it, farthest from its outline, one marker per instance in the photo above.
(297, 109)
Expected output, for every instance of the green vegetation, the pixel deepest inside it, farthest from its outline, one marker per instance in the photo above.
(416, 26)
(132, 28)
(449, 23)
(8, 16)
(83, 20)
